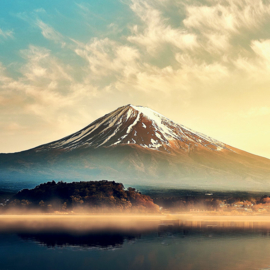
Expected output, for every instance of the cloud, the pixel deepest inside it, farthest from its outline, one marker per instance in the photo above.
(40, 10)
(41, 65)
(6, 34)
(226, 26)
(86, 11)
(256, 64)
(108, 59)
(49, 33)
(228, 16)
(156, 31)
(262, 49)
(43, 87)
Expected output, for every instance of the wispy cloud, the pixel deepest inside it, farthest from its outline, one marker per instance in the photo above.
(40, 10)
(105, 57)
(50, 33)
(6, 34)
(156, 32)
(86, 11)
(47, 31)
(227, 16)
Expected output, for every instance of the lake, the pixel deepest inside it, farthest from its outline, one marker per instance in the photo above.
(140, 243)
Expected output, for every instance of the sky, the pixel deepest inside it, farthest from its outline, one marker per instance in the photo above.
(202, 63)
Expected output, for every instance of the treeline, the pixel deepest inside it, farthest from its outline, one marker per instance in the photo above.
(187, 203)
(214, 203)
(93, 196)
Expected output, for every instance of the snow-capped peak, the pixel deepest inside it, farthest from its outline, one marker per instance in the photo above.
(137, 125)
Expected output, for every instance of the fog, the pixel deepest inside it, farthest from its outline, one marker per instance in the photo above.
(78, 222)
(82, 223)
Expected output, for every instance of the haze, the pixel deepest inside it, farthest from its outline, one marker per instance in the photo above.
(84, 222)
(204, 64)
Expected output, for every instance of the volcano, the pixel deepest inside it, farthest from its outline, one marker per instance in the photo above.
(138, 146)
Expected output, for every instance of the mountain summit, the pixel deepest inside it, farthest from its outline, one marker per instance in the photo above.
(138, 146)
(137, 125)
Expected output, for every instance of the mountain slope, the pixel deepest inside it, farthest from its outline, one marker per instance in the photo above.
(137, 145)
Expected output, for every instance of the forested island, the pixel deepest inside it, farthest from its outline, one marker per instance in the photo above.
(93, 196)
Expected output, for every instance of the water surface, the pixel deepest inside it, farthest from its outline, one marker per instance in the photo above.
(166, 244)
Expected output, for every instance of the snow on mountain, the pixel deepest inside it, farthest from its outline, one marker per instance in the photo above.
(136, 125)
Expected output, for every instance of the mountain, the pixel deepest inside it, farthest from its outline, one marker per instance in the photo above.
(136, 145)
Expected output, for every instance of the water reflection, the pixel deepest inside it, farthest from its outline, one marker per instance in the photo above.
(102, 240)
(115, 238)
(186, 228)
(166, 243)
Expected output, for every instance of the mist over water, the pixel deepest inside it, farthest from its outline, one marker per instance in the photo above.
(134, 242)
